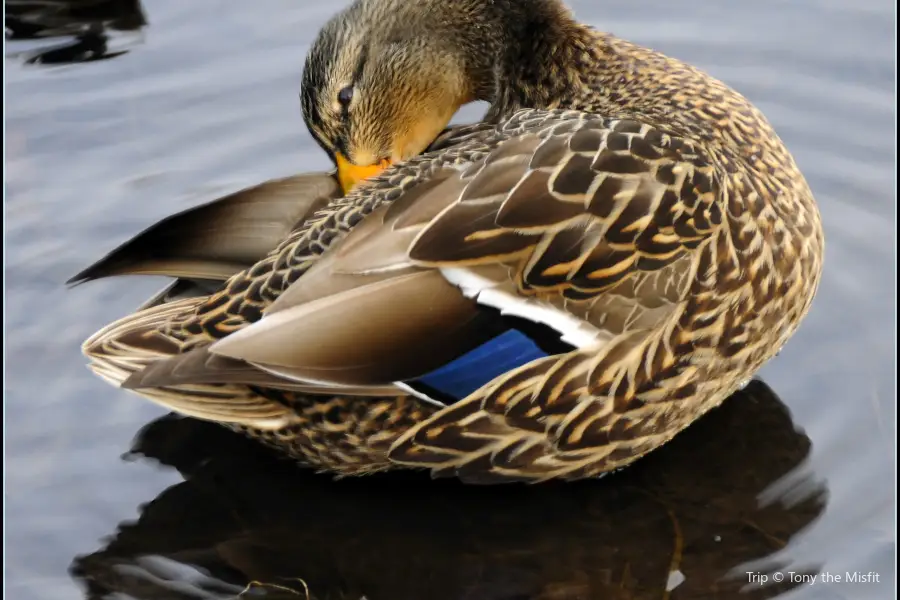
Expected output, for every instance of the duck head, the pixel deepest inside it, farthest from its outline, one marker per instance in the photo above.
(384, 77)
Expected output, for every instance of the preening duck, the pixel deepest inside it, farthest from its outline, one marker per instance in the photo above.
(552, 292)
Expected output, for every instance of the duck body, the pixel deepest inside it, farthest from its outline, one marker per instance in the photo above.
(550, 293)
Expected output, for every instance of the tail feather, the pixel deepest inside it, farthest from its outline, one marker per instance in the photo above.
(134, 342)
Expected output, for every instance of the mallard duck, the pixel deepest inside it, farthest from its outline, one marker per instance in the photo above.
(552, 292)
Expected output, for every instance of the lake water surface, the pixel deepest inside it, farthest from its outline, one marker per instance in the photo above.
(793, 475)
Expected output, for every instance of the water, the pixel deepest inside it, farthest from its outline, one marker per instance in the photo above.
(795, 475)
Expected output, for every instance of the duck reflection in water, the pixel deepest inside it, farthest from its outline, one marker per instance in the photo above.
(87, 21)
(680, 523)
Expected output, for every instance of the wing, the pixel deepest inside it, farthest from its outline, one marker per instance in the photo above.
(345, 326)
(213, 241)
(605, 219)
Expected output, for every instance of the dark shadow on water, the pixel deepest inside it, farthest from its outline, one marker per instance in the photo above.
(86, 22)
(688, 513)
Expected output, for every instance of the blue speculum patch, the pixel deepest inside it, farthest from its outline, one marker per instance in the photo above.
(465, 374)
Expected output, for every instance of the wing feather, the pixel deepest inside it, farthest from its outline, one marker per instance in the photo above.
(215, 240)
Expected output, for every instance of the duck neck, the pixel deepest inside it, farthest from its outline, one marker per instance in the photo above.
(526, 54)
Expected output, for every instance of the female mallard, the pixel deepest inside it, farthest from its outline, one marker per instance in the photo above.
(551, 293)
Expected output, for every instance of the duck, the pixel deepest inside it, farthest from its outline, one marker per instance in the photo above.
(550, 293)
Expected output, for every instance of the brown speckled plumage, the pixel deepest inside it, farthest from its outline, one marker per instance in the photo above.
(609, 182)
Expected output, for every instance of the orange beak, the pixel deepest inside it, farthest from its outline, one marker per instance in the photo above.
(349, 175)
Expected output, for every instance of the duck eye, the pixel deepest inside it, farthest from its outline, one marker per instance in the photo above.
(345, 95)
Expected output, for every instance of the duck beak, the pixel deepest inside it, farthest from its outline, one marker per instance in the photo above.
(349, 174)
